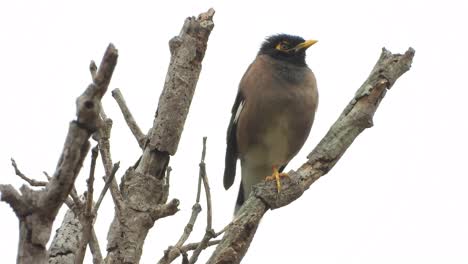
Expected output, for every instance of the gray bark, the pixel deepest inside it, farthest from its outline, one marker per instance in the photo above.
(144, 190)
(66, 241)
(36, 210)
(141, 199)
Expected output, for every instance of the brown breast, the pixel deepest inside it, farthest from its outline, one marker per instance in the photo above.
(280, 103)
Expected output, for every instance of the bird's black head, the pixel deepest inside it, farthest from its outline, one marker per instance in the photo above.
(286, 48)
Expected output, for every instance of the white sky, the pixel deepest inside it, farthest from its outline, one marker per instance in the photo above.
(398, 195)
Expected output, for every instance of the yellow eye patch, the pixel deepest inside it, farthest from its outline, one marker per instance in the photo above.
(283, 46)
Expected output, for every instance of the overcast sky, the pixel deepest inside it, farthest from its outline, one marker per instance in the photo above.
(398, 195)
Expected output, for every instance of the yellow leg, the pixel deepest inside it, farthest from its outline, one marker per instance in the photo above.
(277, 177)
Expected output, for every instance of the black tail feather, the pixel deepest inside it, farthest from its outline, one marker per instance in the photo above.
(240, 199)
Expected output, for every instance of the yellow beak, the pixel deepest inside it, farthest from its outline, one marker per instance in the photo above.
(305, 45)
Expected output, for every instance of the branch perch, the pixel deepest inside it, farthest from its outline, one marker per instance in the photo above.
(356, 117)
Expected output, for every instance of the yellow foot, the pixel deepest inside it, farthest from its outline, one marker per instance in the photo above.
(276, 176)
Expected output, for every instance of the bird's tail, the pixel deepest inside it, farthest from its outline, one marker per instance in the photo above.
(240, 199)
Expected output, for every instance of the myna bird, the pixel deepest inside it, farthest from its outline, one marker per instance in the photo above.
(272, 114)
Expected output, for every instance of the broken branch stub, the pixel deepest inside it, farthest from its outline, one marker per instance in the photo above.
(187, 52)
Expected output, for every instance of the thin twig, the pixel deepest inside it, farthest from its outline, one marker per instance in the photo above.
(46, 175)
(104, 148)
(76, 200)
(193, 246)
(93, 241)
(95, 248)
(217, 234)
(174, 251)
(86, 217)
(209, 233)
(106, 187)
(132, 124)
(196, 209)
(31, 182)
(90, 182)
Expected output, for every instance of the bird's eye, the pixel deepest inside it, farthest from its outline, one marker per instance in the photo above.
(282, 46)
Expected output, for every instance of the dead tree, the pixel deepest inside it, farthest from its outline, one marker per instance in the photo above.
(141, 197)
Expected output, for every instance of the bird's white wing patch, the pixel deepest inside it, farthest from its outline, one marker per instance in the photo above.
(238, 112)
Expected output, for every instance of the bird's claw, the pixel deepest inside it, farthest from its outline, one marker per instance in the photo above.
(276, 177)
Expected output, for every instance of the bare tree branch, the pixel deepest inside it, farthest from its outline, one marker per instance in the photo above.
(46, 175)
(95, 248)
(188, 50)
(132, 124)
(66, 241)
(104, 148)
(356, 117)
(14, 199)
(106, 187)
(31, 182)
(67, 251)
(142, 197)
(193, 246)
(75, 198)
(86, 217)
(173, 252)
(143, 188)
(93, 69)
(38, 209)
(209, 233)
(85, 214)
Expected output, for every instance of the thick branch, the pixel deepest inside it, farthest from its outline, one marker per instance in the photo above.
(65, 244)
(187, 50)
(356, 117)
(43, 205)
(144, 190)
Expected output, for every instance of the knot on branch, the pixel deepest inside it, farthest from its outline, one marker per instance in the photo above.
(174, 44)
(141, 191)
(87, 110)
(161, 211)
